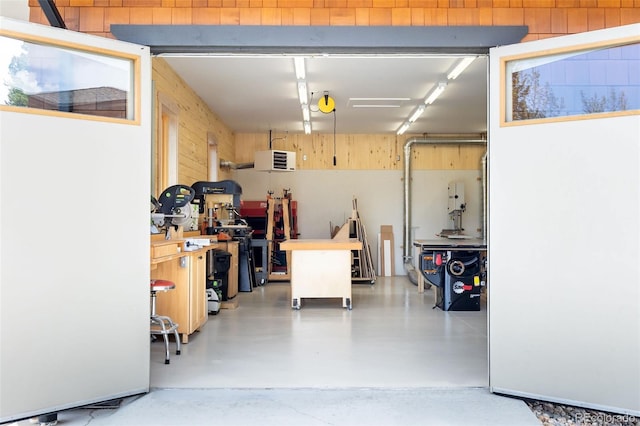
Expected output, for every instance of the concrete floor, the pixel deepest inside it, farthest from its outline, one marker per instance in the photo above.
(392, 360)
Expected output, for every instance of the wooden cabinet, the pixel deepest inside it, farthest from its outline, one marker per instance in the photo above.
(321, 268)
(187, 303)
(197, 291)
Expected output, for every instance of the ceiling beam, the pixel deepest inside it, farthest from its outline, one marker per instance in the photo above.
(318, 39)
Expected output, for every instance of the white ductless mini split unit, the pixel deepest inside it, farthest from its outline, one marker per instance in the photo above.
(272, 160)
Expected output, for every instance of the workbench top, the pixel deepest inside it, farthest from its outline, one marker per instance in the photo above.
(164, 250)
(321, 244)
(452, 243)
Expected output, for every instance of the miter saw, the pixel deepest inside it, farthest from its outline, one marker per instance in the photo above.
(173, 208)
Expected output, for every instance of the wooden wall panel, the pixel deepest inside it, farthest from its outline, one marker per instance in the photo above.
(195, 122)
(360, 152)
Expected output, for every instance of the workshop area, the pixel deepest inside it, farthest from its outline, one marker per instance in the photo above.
(324, 207)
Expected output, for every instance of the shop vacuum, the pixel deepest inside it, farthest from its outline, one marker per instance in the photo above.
(458, 277)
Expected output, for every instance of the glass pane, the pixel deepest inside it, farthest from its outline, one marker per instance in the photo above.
(577, 83)
(60, 79)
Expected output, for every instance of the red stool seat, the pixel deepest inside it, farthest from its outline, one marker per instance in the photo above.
(162, 285)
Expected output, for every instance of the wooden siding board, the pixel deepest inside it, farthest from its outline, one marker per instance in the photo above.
(559, 21)
(577, 20)
(116, 15)
(485, 16)
(271, 16)
(160, 16)
(380, 16)
(91, 19)
(567, 3)
(142, 3)
(141, 15)
(463, 17)
(611, 18)
(508, 16)
(608, 3)
(342, 16)
(362, 16)
(630, 16)
(595, 19)
(436, 16)
(401, 16)
(359, 3)
(71, 16)
(206, 16)
(538, 19)
(229, 16)
(301, 16)
(181, 16)
(417, 16)
(320, 16)
(423, 3)
(250, 16)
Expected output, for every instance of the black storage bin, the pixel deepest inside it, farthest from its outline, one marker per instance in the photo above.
(219, 264)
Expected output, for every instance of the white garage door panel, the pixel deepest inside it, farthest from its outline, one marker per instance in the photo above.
(564, 244)
(74, 263)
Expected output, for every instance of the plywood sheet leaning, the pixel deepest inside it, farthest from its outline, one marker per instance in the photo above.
(362, 269)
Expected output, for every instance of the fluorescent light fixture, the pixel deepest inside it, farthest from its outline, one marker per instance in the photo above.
(302, 92)
(379, 99)
(417, 114)
(435, 93)
(305, 113)
(403, 128)
(307, 128)
(298, 63)
(375, 106)
(462, 65)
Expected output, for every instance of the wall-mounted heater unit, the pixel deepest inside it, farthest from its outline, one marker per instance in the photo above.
(283, 161)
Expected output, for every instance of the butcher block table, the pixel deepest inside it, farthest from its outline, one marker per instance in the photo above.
(321, 268)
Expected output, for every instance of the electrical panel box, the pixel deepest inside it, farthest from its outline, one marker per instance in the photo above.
(456, 197)
(283, 161)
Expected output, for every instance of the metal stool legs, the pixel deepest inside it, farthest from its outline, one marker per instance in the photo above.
(161, 324)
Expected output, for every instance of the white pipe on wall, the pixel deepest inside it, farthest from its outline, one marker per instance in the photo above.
(433, 140)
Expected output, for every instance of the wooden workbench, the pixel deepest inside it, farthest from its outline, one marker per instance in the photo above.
(187, 303)
(321, 268)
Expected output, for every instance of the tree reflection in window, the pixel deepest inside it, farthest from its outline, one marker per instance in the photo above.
(49, 77)
(602, 80)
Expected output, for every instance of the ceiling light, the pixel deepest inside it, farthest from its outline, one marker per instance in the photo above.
(375, 106)
(379, 99)
(435, 93)
(298, 63)
(305, 113)
(302, 92)
(403, 128)
(462, 65)
(307, 127)
(417, 114)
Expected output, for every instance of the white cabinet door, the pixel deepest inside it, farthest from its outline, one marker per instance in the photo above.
(564, 224)
(74, 227)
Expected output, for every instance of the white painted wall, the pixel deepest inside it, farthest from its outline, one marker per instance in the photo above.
(325, 197)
